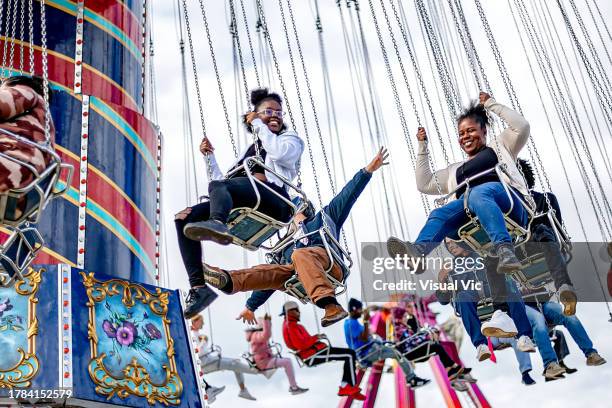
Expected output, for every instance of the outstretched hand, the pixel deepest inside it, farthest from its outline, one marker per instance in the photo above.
(421, 134)
(378, 161)
(247, 316)
(250, 117)
(483, 97)
(206, 147)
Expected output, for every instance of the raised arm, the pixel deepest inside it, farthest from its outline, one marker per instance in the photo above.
(285, 149)
(425, 177)
(15, 100)
(515, 136)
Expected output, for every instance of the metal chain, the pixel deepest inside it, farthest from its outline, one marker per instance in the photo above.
(598, 64)
(13, 31)
(21, 35)
(31, 32)
(236, 38)
(398, 103)
(604, 102)
(45, 71)
(559, 103)
(218, 77)
(603, 43)
(196, 82)
(420, 80)
(6, 37)
(309, 90)
(299, 99)
(252, 50)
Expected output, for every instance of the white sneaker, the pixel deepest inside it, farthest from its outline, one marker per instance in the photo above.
(212, 393)
(525, 344)
(500, 325)
(246, 395)
(483, 353)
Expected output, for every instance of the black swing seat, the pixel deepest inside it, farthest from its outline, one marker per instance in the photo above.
(21, 206)
(472, 232)
(275, 348)
(324, 353)
(425, 345)
(250, 227)
(335, 252)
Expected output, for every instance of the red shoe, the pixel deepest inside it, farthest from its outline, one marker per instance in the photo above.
(351, 391)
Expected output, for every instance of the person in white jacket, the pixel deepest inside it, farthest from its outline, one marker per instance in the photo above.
(487, 198)
(212, 361)
(280, 149)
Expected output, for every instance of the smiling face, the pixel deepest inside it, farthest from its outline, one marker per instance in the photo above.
(472, 136)
(274, 123)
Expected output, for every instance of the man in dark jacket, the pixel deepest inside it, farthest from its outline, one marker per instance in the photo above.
(307, 257)
(313, 351)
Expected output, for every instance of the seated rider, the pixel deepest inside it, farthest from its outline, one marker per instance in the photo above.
(415, 344)
(466, 302)
(213, 362)
(280, 149)
(259, 340)
(307, 257)
(544, 314)
(306, 346)
(370, 350)
(23, 112)
(543, 239)
(487, 197)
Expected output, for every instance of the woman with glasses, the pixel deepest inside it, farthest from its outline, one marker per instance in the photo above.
(279, 149)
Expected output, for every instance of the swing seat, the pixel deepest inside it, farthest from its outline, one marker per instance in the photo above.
(485, 310)
(19, 205)
(249, 357)
(250, 227)
(335, 252)
(17, 253)
(324, 352)
(534, 274)
(425, 345)
(472, 232)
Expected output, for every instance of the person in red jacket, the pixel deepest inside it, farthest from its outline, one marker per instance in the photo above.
(313, 351)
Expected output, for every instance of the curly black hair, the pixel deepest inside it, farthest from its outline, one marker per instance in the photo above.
(475, 111)
(527, 170)
(258, 96)
(34, 82)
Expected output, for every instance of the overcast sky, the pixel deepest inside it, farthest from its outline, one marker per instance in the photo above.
(500, 382)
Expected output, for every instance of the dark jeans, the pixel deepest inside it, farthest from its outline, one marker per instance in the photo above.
(224, 195)
(560, 344)
(466, 305)
(435, 348)
(346, 355)
(543, 239)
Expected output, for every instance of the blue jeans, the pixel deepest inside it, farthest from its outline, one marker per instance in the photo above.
(467, 300)
(487, 201)
(522, 357)
(553, 313)
(380, 351)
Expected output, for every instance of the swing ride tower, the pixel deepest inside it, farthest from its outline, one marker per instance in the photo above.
(109, 337)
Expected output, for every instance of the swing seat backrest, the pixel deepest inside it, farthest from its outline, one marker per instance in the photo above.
(250, 227)
(485, 310)
(18, 252)
(19, 205)
(534, 272)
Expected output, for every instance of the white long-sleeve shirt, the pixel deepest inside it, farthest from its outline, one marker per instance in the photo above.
(283, 153)
(510, 141)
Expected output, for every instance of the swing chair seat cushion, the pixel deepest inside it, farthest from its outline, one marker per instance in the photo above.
(250, 229)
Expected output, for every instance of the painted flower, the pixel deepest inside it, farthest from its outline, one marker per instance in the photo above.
(126, 334)
(109, 329)
(5, 305)
(152, 332)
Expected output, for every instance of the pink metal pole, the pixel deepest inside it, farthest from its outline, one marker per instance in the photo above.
(404, 395)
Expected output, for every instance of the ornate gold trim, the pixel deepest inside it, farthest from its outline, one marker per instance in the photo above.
(22, 373)
(135, 381)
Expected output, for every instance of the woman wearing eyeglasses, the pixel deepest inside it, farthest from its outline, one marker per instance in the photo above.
(280, 149)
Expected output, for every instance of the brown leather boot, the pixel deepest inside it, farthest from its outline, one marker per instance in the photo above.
(333, 313)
